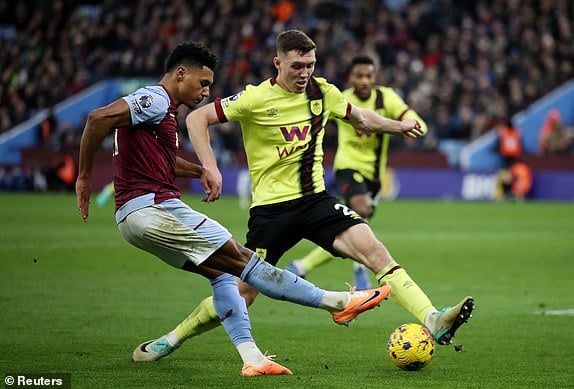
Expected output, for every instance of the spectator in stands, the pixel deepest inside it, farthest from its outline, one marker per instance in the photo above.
(454, 132)
(555, 137)
(481, 54)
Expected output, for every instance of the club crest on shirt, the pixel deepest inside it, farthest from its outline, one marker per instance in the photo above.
(316, 107)
(146, 101)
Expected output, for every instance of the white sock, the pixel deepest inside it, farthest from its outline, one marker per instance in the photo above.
(173, 339)
(430, 319)
(334, 301)
(249, 352)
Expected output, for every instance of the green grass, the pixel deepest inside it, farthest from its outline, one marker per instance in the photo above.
(90, 298)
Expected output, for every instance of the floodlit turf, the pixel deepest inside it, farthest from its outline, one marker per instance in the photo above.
(77, 298)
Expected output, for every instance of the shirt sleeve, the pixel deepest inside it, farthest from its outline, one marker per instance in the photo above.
(395, 106)
(233, 107)
(338, 105)
(148, 105)
(399, 110)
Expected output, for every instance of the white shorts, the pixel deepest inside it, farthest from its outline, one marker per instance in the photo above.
(174, 232)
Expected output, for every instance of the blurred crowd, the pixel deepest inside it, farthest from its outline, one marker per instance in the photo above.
(464, 66)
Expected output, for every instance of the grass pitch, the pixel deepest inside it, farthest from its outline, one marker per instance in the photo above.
(76, 298)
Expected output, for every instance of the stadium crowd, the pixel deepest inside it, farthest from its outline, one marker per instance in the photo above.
(464, 66)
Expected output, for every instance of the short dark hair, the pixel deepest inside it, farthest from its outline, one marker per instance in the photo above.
(294, 40)
(193, 54)
(362, 60)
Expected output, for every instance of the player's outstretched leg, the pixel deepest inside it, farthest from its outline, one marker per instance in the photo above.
(344, 307)
(360, 301)
(231, 309)
(204, 318)
(442, 324)
(449, 319)
(284, 285)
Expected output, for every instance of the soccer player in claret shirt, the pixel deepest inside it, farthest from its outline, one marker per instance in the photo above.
(361, 158)
(150, 215)
(282, 121)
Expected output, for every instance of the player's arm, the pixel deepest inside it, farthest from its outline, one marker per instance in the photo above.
(197, 123)
(100, 122)
(368, 120)
(186, 169)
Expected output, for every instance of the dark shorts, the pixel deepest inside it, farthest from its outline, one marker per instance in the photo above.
(351, 182)
(275, 228)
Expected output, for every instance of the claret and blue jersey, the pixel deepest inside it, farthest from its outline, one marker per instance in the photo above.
(144, 153)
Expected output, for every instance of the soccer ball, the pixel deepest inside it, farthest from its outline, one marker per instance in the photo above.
(411, 346)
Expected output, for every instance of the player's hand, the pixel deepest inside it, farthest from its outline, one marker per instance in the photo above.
(411, 128)
(211, 181)
(83, 191)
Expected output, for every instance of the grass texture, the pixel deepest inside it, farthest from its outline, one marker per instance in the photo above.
(76, 298)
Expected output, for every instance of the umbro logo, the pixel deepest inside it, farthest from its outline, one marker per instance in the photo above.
(272, 112)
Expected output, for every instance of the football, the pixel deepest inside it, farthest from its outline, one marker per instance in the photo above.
(411, 346)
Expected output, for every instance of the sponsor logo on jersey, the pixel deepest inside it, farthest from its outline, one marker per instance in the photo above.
(289, 135)
(295, 131)
(284, 152)
(136, 107)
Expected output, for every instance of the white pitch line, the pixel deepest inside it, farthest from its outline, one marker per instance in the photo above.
(558, 312)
